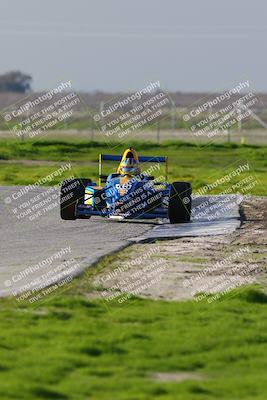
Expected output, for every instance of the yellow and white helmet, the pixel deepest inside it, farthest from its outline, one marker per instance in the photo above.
(129, 164)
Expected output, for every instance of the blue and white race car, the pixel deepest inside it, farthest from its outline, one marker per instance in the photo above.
(127, 194)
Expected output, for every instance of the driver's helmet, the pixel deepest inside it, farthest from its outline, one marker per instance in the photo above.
(129, 166)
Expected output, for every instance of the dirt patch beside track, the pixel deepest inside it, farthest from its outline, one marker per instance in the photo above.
(184, 268)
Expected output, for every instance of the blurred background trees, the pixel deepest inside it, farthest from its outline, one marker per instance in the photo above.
(15, 81)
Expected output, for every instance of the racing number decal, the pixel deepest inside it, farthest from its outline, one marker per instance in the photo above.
(124, 185)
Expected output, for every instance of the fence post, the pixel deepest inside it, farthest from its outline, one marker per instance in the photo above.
(158, 131)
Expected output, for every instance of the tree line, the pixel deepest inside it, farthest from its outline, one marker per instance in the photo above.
(15, 81)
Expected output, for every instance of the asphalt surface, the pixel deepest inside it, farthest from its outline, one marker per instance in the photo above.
(211, 215)
(36, 241)
(38, 249)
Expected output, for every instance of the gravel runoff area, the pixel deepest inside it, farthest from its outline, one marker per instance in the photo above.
(204, 267)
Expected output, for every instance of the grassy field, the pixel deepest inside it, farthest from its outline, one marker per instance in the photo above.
(197, 164)
(71, 347)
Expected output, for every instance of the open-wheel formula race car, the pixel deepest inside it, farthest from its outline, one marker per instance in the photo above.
(127, 194)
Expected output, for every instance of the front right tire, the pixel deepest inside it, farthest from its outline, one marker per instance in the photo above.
(72, 191)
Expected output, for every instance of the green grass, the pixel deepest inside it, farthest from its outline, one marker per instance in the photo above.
(81, 121)
(197, 164)
(71, 347)
(190, 259)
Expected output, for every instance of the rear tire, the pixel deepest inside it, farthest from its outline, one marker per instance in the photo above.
(180, 202)
(71, 192)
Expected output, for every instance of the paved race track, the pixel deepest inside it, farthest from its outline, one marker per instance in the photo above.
(25, 242)
(38, 248)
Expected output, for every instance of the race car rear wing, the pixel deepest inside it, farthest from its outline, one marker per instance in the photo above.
(109, 157)
(145, 159)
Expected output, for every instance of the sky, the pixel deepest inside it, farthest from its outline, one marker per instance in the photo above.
(121, 45)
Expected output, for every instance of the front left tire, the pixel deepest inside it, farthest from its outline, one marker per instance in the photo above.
(180, 202)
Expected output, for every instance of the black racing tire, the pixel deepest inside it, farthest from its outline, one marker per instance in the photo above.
(72, 191)
(180, 202)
